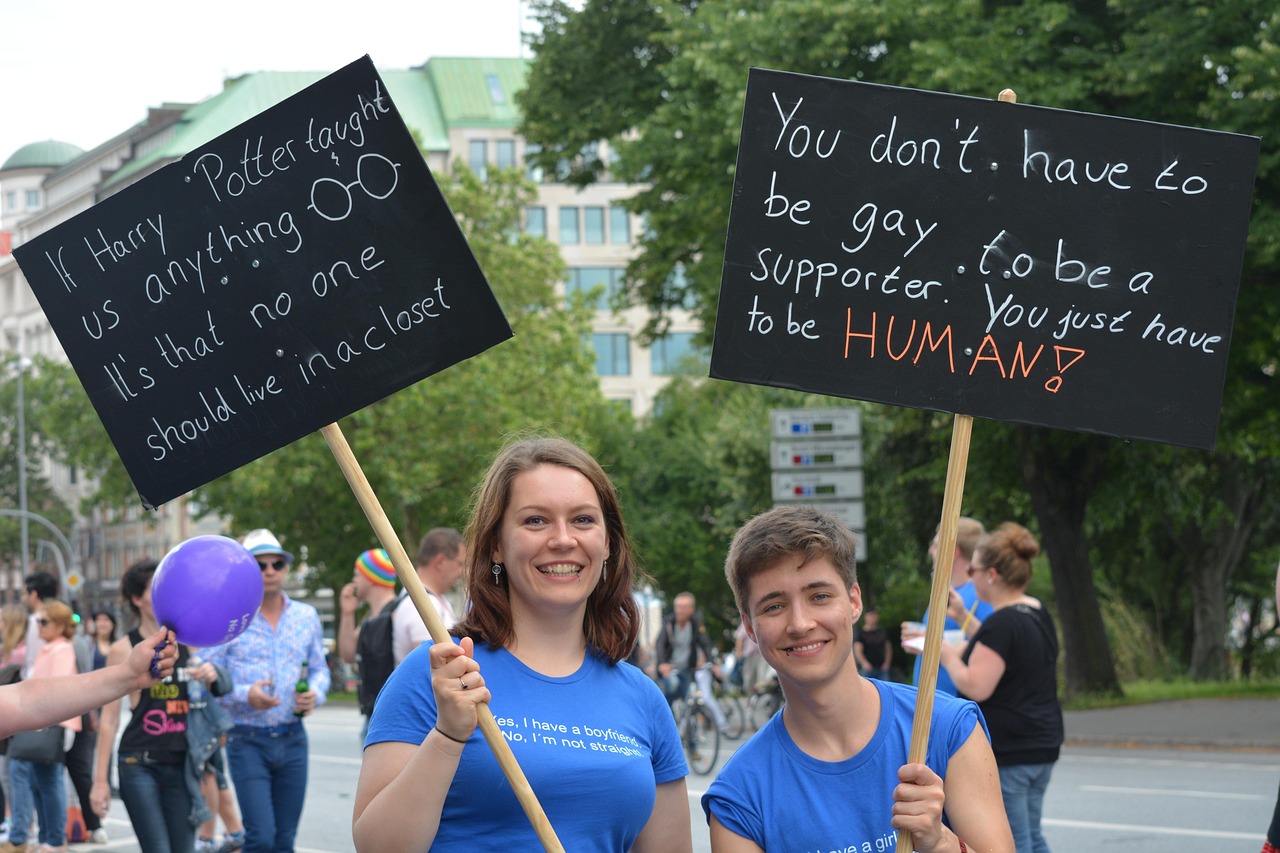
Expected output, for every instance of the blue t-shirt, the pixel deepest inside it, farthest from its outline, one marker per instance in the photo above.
(782, 798)
(593, 746)
(968, 595)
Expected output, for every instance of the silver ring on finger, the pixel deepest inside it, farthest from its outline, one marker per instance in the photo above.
(463, 682)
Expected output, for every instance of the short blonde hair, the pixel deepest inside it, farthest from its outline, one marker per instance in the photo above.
(60, 614)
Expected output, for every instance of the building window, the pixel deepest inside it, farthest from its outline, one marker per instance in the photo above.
(613, 353)
(506, 151)
(496, 95)
(532, 170)
(535, 221)
(569, 226)
(478, 158)
(593, 225)
(33, 199)
(583, 279)
(11, 201)
(672, 353)
(619, 226)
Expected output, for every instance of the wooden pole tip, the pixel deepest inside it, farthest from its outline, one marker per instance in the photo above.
(1008, 96)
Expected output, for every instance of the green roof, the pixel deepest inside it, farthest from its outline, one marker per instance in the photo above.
(478, 92)
(246, 96)
(49, 154)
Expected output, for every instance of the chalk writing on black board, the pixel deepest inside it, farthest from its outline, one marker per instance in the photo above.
(993, 259)
(287, 273)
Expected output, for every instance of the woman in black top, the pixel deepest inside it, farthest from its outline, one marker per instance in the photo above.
(1010, 669)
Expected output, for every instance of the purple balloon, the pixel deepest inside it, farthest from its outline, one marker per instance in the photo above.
(207, 590)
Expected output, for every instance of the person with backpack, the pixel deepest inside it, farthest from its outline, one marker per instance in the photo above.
(368, 644)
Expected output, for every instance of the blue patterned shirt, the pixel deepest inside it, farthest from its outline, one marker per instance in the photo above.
(263, 653)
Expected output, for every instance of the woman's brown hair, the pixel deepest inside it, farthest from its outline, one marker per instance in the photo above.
(1009, 550)
(612, 622)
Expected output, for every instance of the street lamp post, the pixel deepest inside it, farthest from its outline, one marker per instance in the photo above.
(22, 364)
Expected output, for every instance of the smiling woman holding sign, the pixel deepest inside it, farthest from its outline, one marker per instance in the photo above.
(551, 621)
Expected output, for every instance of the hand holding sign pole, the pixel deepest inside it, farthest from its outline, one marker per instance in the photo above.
(940, 588)
(292, 271)
(413, 586)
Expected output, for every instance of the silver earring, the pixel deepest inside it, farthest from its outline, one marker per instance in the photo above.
(497, 573)
(604, 570)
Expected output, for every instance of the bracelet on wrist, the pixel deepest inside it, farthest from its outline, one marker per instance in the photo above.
(963, 848)
(455, 740)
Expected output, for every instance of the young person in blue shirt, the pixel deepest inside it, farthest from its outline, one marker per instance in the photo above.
(830, 770)
(551, 621)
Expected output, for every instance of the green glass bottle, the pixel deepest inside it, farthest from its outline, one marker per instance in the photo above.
(302, 687)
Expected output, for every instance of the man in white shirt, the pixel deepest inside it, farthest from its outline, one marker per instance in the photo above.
(442, 558)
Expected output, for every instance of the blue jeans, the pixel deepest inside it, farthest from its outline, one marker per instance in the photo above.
(1023, 787)
(269, 770)
(675, 685)
(50, 794)
(156, 798)
(22, 805)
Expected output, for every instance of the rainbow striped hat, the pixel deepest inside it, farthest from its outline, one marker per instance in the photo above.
(376, 566)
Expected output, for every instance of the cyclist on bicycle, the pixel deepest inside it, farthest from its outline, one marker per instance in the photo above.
(681, 648)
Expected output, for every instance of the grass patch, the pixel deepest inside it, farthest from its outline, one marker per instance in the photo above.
(1141, 692)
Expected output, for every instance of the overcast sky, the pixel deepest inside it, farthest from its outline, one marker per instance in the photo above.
(82, 71)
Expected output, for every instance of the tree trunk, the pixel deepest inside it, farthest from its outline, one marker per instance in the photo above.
(1225, 543)
(1060, 480)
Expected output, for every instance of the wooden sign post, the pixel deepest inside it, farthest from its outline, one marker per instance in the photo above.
(294, 270)
(984, 259)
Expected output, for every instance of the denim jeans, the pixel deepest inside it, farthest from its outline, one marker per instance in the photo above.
(22, 805)
(675, 685)
(156, 797)
(50, 794)
(1023, 787)
(269, 771)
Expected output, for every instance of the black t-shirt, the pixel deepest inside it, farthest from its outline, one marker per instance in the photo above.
(1023, 713)
(873, 643)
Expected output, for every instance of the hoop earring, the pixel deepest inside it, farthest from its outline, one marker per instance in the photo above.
(497, 573)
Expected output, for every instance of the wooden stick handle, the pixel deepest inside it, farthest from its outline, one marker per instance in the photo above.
(957, 464)
(413, 585)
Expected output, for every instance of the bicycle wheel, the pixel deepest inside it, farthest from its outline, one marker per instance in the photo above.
(764, 706)
(735, 716)
(701, 740)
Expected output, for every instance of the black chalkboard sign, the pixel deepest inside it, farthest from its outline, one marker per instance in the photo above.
(984, 258)
(294, 270)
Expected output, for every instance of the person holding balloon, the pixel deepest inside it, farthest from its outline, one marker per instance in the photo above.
(267, 746)
(160, 795)
(551, 622)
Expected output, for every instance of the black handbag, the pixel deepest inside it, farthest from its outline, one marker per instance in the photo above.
(41, 746)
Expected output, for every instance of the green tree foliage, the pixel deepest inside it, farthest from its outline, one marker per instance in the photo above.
(1180, 62)
(42, 383)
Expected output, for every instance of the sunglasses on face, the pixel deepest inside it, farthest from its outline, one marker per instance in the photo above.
(278, 565)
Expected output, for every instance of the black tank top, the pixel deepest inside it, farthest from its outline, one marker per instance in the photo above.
(159, 722)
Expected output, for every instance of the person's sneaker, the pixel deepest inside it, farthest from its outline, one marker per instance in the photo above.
(231, 842)
(98, 836)
(206, 845)
(4, 830)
